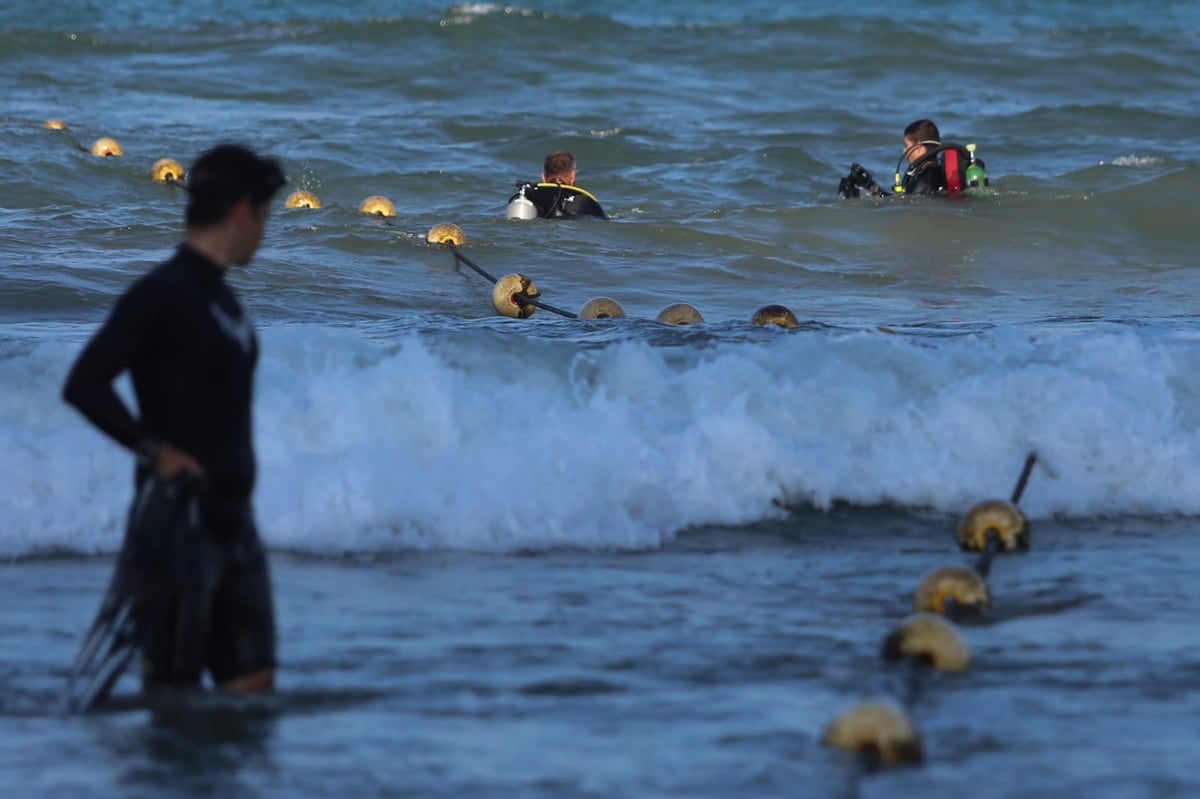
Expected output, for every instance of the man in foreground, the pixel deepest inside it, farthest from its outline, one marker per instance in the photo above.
(202, 600)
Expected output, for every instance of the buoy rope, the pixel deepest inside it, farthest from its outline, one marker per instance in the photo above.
(984, 564)
(71, 137)
(1030, 459)
(458, 256)
(915, 670)
(520, 299)
(525, 298)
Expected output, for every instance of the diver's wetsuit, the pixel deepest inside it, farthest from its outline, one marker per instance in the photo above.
(560, 201)
(191, 352)
(930, 178)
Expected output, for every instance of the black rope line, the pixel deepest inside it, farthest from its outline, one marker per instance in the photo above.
(1030, 460)
(71, 137)
(520, 299)
(526, 299)
(914, 672)
(984, 564)
(464, 259)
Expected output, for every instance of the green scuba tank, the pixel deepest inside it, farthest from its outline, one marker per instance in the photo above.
(974, 177)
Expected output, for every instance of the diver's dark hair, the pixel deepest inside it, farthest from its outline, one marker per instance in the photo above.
(922, 130)
(222, 176)
(558, 164)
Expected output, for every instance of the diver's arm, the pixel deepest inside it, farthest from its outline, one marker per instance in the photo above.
(89, 385)
(860, 179)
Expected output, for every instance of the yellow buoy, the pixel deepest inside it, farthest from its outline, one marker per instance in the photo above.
(165, 169)
(106, 147)
(997, 516)
(774, 315)
(54, 124)
(446, 233)
(509, 296)
(878, 731)
(951, 589)
(302, 199)
(377, 204)
(929, 639)
(679, 313)
(601, 308)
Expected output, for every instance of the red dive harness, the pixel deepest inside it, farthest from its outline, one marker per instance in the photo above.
(955, 157)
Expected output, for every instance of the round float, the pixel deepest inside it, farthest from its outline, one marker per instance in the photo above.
(1000, 517)
(302, 199)
(774, 315)
(166, 169)
(679, 313)
(879, 732)
(928, 639)
(377, 205)
(509, 293)
(106, 147)
(446, 233)
(601, 308)
(952, 590)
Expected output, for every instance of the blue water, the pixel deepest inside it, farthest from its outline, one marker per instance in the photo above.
(434, 469)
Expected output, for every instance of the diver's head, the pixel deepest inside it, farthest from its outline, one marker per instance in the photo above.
(559, 167)
(919, 138)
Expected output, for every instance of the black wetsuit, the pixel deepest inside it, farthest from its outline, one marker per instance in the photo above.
(926, 177)
(560, 201)
(930, 178)
(191, 352)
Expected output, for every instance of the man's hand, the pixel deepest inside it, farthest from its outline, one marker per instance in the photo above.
(862, 179)
(169, 461)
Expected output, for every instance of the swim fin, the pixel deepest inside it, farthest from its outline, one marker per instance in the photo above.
(163, 512)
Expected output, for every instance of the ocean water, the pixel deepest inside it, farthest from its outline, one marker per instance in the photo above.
(558, 558)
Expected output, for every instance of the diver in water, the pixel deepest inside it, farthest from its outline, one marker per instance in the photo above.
(556, 196)
(934, 167)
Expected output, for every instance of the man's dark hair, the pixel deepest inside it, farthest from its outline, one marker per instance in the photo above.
(922, 130)
(558, 164)
(222, 176)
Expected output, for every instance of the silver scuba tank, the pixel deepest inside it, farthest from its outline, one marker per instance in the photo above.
(521, 207)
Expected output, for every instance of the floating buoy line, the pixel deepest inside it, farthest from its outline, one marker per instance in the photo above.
(880, 734)
(513, 295)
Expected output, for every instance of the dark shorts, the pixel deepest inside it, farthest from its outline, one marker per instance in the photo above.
(213, 610)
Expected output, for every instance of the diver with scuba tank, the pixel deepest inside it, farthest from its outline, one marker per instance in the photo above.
(934, 167)
(556, 196)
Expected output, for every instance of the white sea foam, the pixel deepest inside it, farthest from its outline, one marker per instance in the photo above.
(1138, 160)
(491, 441)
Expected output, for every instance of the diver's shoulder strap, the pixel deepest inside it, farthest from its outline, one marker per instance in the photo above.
(568, 187)
(954, 158)
(945, 147)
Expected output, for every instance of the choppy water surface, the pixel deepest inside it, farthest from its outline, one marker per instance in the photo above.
(551, 557)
